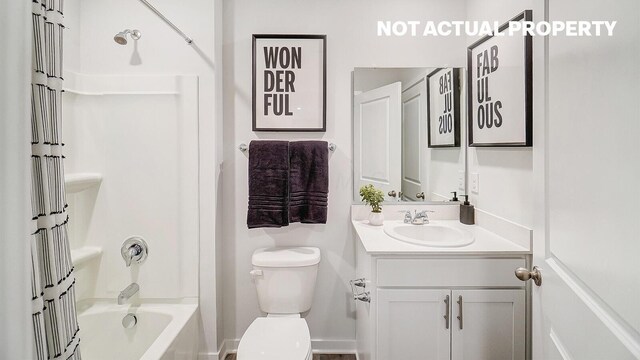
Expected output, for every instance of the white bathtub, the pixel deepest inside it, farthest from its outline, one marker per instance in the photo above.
(162, 332)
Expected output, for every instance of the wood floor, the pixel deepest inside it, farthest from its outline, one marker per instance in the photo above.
(315, 357)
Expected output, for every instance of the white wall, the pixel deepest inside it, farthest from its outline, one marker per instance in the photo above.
(365, 79)
(506, 174)
(350, 27)
(15, 185)
(162, 52)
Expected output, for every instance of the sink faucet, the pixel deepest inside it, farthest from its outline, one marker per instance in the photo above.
(127, 293)
(418, 218)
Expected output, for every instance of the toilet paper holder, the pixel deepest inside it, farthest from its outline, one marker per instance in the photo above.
(360, 295)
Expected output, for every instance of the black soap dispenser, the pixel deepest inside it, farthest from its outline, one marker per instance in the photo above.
(467, 212)
(455, 196)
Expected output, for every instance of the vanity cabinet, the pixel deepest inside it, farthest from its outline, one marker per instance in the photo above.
(491, 327)
(445, 307)
(411, 324)
(443, 324)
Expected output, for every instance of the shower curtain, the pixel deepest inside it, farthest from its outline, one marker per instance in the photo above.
(55, 325)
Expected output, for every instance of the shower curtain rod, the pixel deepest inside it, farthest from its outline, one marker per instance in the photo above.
(184, 36)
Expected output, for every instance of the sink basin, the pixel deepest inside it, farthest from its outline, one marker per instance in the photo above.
(428, 235)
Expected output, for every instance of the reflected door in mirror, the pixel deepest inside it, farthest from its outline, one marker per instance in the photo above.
(414, 98)
(377, 133)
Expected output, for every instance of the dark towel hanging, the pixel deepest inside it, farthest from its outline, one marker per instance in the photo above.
(268, 184)
(308, 181)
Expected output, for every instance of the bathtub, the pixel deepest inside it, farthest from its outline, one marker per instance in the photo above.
(162, 332)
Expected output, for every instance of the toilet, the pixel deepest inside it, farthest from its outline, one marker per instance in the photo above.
(285, 279)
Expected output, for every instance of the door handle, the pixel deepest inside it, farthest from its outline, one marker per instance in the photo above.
(460, 310)
(446, 314)
(524, 275)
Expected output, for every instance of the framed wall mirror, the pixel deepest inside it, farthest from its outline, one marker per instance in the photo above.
(409, 132)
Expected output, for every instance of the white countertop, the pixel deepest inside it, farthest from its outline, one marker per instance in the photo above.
(376, 241)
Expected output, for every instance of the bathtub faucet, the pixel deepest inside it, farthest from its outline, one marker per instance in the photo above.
(128, 292)
(134, 250)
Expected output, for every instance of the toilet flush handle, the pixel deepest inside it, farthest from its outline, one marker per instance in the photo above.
(255, 273)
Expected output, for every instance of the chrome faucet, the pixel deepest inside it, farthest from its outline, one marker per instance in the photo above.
(134, 249)
(134, 252)
(421, 218)
(128, 292)
(418, 218)
(407, 216)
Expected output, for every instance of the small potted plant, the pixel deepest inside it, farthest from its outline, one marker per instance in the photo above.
(373, 197)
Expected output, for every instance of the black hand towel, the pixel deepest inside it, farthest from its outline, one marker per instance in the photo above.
(268, 184)
(308, 182)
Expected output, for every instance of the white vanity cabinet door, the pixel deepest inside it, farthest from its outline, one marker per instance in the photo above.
(493, 325)
(411, 324)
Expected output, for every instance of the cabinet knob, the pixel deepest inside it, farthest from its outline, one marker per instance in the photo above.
(392, 193)
(524, 275)
(420, 195)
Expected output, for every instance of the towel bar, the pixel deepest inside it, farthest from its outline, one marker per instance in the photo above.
(245, 148)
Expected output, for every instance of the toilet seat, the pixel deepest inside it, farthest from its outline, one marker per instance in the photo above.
(276, 338)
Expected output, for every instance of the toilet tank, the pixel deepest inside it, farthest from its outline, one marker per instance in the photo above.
(285, 278)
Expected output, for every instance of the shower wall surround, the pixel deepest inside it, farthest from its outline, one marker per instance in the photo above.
(142, 116)
(145, 148)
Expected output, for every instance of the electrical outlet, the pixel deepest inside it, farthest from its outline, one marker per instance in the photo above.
(461, 180)
(475, 183)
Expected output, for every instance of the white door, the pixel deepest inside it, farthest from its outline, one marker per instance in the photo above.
(488, 325)
(414, 146)
(412, 324)
(376, 148)
(587, 165)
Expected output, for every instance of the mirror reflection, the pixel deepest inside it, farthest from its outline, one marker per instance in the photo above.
(408, 132)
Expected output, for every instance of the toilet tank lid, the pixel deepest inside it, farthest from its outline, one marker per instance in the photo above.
(286, 256)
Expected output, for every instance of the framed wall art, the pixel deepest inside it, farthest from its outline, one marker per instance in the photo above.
(500, 89)
(443, 108)
(289, 82)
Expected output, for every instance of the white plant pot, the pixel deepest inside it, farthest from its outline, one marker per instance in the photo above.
(376, 219)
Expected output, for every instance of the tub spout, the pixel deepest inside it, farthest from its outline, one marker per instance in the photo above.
(127, 293)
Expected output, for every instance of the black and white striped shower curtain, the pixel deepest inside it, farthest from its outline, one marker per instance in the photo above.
(55, 325)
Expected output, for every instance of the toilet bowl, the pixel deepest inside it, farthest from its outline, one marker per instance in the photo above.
(285, 280)
(276, 338)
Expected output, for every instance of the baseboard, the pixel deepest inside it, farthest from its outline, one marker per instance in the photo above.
(319, 346)
(220, 355)
(230, 346)
(209, 356)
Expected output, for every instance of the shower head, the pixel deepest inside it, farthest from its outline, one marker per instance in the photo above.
(121, 37)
